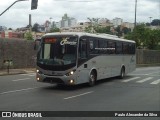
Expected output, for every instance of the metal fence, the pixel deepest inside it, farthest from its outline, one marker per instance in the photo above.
(147, 56)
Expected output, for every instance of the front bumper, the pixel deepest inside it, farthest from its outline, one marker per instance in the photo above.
(68, 80)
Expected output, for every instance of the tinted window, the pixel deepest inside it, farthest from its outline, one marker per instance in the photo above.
(125, 48)
(131, 48)
(111, 47)
(118, 47)
(103, 46)
(93, 45)
(83, 49)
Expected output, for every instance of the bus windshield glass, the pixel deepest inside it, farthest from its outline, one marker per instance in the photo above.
(58, 51)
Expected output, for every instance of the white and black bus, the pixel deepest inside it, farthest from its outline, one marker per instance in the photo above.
(75, 58)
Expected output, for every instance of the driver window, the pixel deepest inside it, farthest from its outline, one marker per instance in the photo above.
(83, 49)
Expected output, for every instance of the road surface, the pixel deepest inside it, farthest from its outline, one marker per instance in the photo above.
(138, 91)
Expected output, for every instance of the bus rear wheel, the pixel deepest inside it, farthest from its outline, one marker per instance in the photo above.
(92, 79)
(122, 73)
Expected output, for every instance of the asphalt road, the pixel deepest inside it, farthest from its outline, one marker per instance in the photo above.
(138, 91)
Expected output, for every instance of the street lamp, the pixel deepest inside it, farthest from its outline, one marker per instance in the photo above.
(150, 20)
(12, 5)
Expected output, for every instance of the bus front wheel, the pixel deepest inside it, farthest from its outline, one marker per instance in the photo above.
(92, 79)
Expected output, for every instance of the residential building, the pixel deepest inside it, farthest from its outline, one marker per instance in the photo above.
(67, 21)
(11, 34)
(57, 24)
(47, 26)
(79, 27)
(3, 28)
(41, 28)
(104, 22)
(117, 21)
(128, 25)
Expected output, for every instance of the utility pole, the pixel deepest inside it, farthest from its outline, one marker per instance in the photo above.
(30, 22)
(11, 6)
(135, 21)
(159, 16)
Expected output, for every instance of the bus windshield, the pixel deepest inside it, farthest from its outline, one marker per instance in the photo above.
(58, 51)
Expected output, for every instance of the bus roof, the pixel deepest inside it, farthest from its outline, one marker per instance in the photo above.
(98, 35)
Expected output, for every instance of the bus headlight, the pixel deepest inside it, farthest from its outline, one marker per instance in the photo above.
(70, 73)
(71, 82)
(37, 71)
(38, 78)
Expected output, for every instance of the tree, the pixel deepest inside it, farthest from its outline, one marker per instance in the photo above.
(88, 29)
(28, 36)
(154, 39)
(155, 22)
(35, 27)
(28, 26)
(94, 24)
(103, 30)
(55, 30)
(145, 37)
(119, 31)
(10, 29)
(126, 30)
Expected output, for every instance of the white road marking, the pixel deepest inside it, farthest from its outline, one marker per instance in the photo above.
(18, 90)
(21, 79)
(23, 74)
(29, 71)
(134, 78)
(145, 75)
(30, 74)
(153, 73)
(78, 95)
(144, 80)
(155, 82)
(138, 74)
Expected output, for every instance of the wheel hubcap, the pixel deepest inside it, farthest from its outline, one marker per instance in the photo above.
(92, 80)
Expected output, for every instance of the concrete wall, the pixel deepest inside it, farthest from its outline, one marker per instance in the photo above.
(23, 54)
(20, 51)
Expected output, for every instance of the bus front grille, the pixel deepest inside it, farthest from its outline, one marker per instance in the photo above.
(53, 80)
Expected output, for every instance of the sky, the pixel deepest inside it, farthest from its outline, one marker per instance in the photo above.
(18, 15)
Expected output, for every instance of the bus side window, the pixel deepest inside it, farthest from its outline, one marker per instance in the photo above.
(93, 46)
(83, 49)
(125, 48)
(119, 47)
(111, 47)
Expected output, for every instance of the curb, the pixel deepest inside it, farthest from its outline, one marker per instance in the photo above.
(4, 73)
(148, 65)
(16, 73)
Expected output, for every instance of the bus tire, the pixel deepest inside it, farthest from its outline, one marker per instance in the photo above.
(92, 79)
(122, 73)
